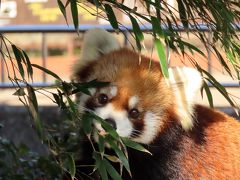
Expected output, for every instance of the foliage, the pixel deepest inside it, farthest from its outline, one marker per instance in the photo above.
(63, 140)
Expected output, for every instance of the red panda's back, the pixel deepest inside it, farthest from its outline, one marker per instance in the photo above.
(213, 147)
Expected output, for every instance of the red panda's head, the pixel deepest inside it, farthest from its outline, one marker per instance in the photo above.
(139, 101)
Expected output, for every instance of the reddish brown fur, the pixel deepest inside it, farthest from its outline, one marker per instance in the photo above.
(211, 150)
(214, 153)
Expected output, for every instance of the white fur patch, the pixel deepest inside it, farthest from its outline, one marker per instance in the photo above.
(152, 124)
(84, 97)
(133, 101)
(185, 82)
(124, 126)
(113, 91)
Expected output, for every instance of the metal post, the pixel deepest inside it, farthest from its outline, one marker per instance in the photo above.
(209, 52)
(44, 56)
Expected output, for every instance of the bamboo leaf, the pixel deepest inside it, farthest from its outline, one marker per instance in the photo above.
(87, 123)
(222, 61)
(162, 57)
(111, 170)
(148, 5)
(28, 64)
(62, 9)
(119, 153)
(57, 99)
(134, 145)
(70, 165)
(19, 92)
(219, 87)
(111, 16)
(99, 165)
(74, 11)
(101, 145)
(182, 13)
(157, 29)
(33, 109)
(112, 158)
(18, 56)
(72, 106)
(158, 3)
(137, 32)
(47, 71)
(192, 47)
(208, 93)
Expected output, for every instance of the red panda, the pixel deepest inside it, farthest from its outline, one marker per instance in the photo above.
(187, 141)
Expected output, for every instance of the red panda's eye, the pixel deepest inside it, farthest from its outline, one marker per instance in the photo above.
(134, 113)
(102, 99)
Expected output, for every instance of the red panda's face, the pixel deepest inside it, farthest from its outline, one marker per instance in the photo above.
(138, 102)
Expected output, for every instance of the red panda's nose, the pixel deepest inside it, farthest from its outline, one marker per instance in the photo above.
(111, 122)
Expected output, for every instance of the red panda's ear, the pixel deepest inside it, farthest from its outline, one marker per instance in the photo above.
(96, 42)
(185, 83)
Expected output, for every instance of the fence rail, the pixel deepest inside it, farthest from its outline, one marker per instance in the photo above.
(43, 29)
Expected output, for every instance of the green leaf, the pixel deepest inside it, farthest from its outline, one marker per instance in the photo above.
(99, 165)
(74, 11)
(19, 92)
(157, 6)
(83, 87)
(33, 109)
(208, 93)
(111, 16)
(137, 32)
(147, 6)
(87, 123)
(19, 58)
(134, 145)
(47, 71)
(192, 47)
(214, 81)
(70, 165)
(119, 153)
(112, 158)
(57, 99)
(111, 170)
(28, 64)
(101, 145)
(62, 9)
(72, 106)
(222, 61)
(67, 88)
(157, 29)
(182, 13)
(162, 57)
(219, 87)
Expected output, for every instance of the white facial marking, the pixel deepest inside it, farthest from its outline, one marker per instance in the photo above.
(113, 91)
(84, 97)
(152, 124)
(133, 101)
(124, 126)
